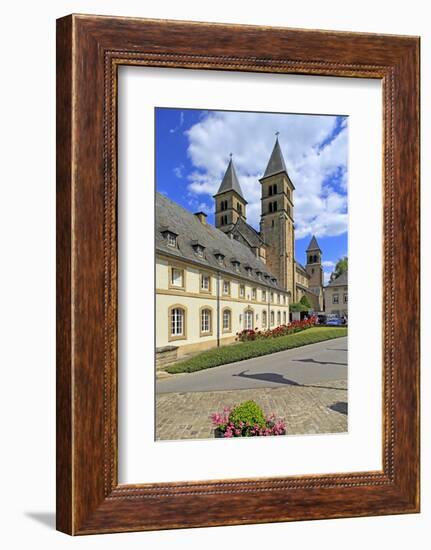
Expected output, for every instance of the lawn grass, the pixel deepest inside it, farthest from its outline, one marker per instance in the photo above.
(246, 350)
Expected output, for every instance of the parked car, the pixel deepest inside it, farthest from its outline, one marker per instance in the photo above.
(322, 319)
(334, 321)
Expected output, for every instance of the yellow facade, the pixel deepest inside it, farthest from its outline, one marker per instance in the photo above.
(244, 303)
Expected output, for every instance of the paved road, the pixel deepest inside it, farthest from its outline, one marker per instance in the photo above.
(308, 365)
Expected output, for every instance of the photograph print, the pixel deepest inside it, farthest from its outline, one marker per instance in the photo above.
(251, 274)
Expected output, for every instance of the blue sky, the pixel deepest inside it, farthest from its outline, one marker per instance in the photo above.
(192, 152)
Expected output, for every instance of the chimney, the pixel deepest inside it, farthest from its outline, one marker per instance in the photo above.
(202, 217)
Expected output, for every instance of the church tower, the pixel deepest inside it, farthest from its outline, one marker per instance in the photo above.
(229, 200)
(276, 225)
(314, 264)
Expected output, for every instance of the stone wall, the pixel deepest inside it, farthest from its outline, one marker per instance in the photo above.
(166, 356)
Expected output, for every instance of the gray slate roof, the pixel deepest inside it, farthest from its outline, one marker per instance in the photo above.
(247, 232)
(313, 245)
(276, 162)
(230, 182)
(341, 280)
(300, 266)
(172, 217)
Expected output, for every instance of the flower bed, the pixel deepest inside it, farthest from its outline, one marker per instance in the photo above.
(246, 420)
(283, 330)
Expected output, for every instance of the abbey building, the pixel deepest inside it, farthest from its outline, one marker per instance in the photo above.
(212, 282)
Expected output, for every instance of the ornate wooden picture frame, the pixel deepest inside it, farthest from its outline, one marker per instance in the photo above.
(89, 51)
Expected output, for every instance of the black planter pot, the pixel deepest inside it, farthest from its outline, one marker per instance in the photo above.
(218, 432)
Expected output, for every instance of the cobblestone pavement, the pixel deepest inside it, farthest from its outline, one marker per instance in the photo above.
(308, 409)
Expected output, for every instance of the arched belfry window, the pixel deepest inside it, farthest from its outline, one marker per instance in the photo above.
(272, 206)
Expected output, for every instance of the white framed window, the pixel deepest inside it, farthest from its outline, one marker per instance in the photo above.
(278, 298)
(241, 291)
(227, 316)
(205, 282)
(177, 321)
(284, 318)
(248, 319)
(226, 287)
(272, 297)
(272, 318)
(264, 319)
(264, 295)
(335, 299)
(345, 298)
(284, 299)
(177, 277)
(278, 318)
(172, 240)
(253, 294)
(205, 321)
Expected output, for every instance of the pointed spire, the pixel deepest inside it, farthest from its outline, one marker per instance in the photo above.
(313, 245)
(230, 181)
(276, 162)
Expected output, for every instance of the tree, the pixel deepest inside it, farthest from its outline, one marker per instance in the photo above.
(305, 302)
(297, 307)
(342, 266)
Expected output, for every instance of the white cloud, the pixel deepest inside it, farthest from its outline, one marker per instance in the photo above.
(181, 122)
(320, 208)
(326, 277)
(178, 171)
(328, 263)
(200, 206)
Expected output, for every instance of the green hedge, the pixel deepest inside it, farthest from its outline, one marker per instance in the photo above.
(247, 350)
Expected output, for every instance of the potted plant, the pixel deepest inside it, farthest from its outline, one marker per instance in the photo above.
(246, 420)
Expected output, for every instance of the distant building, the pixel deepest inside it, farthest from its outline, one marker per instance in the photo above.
(309, 280)
(336, 296)
(212, 282)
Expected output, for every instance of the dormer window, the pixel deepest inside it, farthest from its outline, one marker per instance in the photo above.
(236, 265)
(219, 257)
(259, 274)
(273, 280)
(266, 276)
(248, 270)
(198, 248)
(171, 239)
(170, 236)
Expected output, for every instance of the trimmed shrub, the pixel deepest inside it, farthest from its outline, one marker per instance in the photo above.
(247, 412)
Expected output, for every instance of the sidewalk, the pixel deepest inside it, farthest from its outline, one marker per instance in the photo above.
(316, 408)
